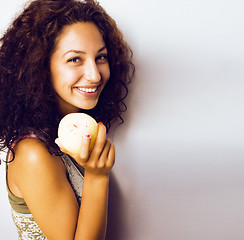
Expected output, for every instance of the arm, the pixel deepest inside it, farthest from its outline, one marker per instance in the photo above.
(42, 182)
(92, 220)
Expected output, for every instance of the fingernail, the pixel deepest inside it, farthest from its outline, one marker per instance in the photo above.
(88, 135)
(100, 123)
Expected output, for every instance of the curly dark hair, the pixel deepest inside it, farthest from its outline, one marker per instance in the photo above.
(27, 99)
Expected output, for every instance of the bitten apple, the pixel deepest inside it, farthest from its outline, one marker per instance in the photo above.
(73, 127)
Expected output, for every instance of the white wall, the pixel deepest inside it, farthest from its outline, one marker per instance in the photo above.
(179, 173)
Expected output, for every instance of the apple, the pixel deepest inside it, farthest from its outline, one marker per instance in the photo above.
(73, 127)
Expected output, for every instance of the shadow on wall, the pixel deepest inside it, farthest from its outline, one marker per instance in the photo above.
(116, 222)
(117, 228)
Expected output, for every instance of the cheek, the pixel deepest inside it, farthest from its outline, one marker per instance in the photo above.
(62, 75)
(55, 73)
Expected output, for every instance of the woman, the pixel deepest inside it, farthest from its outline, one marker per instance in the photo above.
(59, 57)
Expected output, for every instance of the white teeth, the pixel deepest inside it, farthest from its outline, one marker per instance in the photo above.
(89, 90)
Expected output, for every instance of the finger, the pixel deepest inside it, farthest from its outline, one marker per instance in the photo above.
(84, 149)
(100, 141)
(57, 141)
(104, 155)
(111, 156)
(63, 149)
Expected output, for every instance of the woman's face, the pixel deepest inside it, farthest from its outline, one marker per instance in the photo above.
(79, 67)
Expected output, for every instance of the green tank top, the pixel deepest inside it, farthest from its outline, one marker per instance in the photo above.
(26, 226)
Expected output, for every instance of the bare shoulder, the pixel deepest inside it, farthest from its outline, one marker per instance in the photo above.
(31, 152)
(33, 162)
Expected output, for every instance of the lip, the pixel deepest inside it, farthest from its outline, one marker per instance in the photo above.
(87, 93)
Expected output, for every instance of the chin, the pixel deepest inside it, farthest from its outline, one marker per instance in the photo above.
(88, 106)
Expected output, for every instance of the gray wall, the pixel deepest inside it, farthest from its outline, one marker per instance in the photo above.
(179, 173)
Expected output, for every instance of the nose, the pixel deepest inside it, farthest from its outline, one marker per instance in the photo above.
(91, 72)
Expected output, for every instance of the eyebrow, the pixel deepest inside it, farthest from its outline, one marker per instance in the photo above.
(82, 52)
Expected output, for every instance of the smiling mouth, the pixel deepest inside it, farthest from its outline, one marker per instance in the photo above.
(88, 90)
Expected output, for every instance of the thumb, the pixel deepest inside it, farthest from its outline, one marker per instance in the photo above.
(84, 148)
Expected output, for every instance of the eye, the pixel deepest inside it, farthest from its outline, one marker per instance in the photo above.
(75, 60)
(103, 58)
